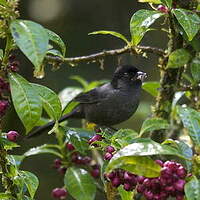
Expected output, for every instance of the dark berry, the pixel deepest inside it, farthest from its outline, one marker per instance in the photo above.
(148, 194)
(181, 172)
(59, 193)
(116, 182)
(70, 147)
(110, 149)
(179, 185)
(95, 138)
(162, 9)
(159, 162)
(130, 178)
(95, 173)
(111, 175)
(180, 197)
(3, 106)
(108, 156)
(128, 186)
(57, 163)
(12, 58)
(140, 188)
(62, 170)
(12, 136)
(140, 179)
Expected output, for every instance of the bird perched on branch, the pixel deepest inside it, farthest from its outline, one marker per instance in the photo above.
(109, 104)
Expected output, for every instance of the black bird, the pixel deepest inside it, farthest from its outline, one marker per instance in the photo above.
(109, 104)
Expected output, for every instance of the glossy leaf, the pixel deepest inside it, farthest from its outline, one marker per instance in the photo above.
(113, 33)
(80, 184)
(125, 195)
(192, 189)
(31, 182)
(153, 124)
(191, 121)
(83, 133)
(150, 1)
(140, 165)
(1, 54)
(195, 68)
(46, 148)
(151, 87)
(140, 23)
(189, 20)
(50, 101)
(57, 40)
(15, 160)
(7, 145)
(178, 58)
(32, 39)
(26, 101)
(55, 52)
(167, 3)
(123, 137)
(4, 196)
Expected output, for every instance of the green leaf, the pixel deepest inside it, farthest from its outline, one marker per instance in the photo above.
(192, 189)
(32, 39)
(191, 121)
(167, 3)
(189, 20)
(3, 2)
(57, 40)
(178, 58)
(153, 124)
(80, 184)
(50, 101)
(140, 23)
(15, 160)
(8, 145)
(80, 80)
(55, 52)
(113, 33)
(150, 1)
(69, 107)
(125, 195)
(1, 54)
(26, 101)
(195, 68)
(84, 133)
(4, 196)
(123, 137)
(140, 165)
(46, 148)
(31, 181)
(151, 87)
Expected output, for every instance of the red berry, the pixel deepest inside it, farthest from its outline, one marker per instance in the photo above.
(59, 193)
(57, 163)
(110, 149)
(95, 173)
(70, 147)
(12, 136)
(108, 156)
(116, 182)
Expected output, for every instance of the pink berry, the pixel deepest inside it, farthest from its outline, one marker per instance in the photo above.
(116, 182)
(59, 193)
(140, 179)
(148, 194)
(179, 185)
(95, 138)
(159, 162)
(181, 172)
(111, 175)
(108, 156)
(110, 149)
(162, 9)
(128, 186)
(12, 136)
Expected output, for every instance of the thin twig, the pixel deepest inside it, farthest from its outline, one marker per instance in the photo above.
(189, 88)
(102, 54)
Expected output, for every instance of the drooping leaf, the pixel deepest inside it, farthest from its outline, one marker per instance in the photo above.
(80, 184)
(50, 101)
(192, 189)
(167, 3)
(113, 33)
(195, 68)
(189, 20)
(140, 165)
(46, 148)
(140, 23)
(31, 181)
(26, 101)
(151, 87)
(153, 124)
(32, 39)
(178, 58)
(125, 195)
(191, 121)
(55, 52)
(57, 40)
(150, 1)
(123, 137)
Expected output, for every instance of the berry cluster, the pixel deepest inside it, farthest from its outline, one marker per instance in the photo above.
(59, 193)
(169, 184)
(4, 88)
(13, 64)
(109, 152)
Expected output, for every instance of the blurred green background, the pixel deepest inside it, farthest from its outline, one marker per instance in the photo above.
(73, 20)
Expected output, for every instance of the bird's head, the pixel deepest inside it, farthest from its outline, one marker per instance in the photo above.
(128, 74)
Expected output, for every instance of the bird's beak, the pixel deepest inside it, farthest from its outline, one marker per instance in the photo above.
(141, 75)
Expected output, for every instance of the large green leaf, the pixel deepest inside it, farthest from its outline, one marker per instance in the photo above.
(140, 165)
(140, 23)
(192, 189)
(153, 124)
(31, 182)
(46, 148)
(50, 101)
(57, 40)
(151, 87)
(113, 33)
(191, 121)
(4, 196)
(80, 184)
(167, 3)
(195, 68)
(178, 58)
(32, 39)
(26, 101)
(125, 195)
(189, 20)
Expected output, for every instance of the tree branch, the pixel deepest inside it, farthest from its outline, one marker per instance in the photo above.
(189, 88)
(103, 54)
